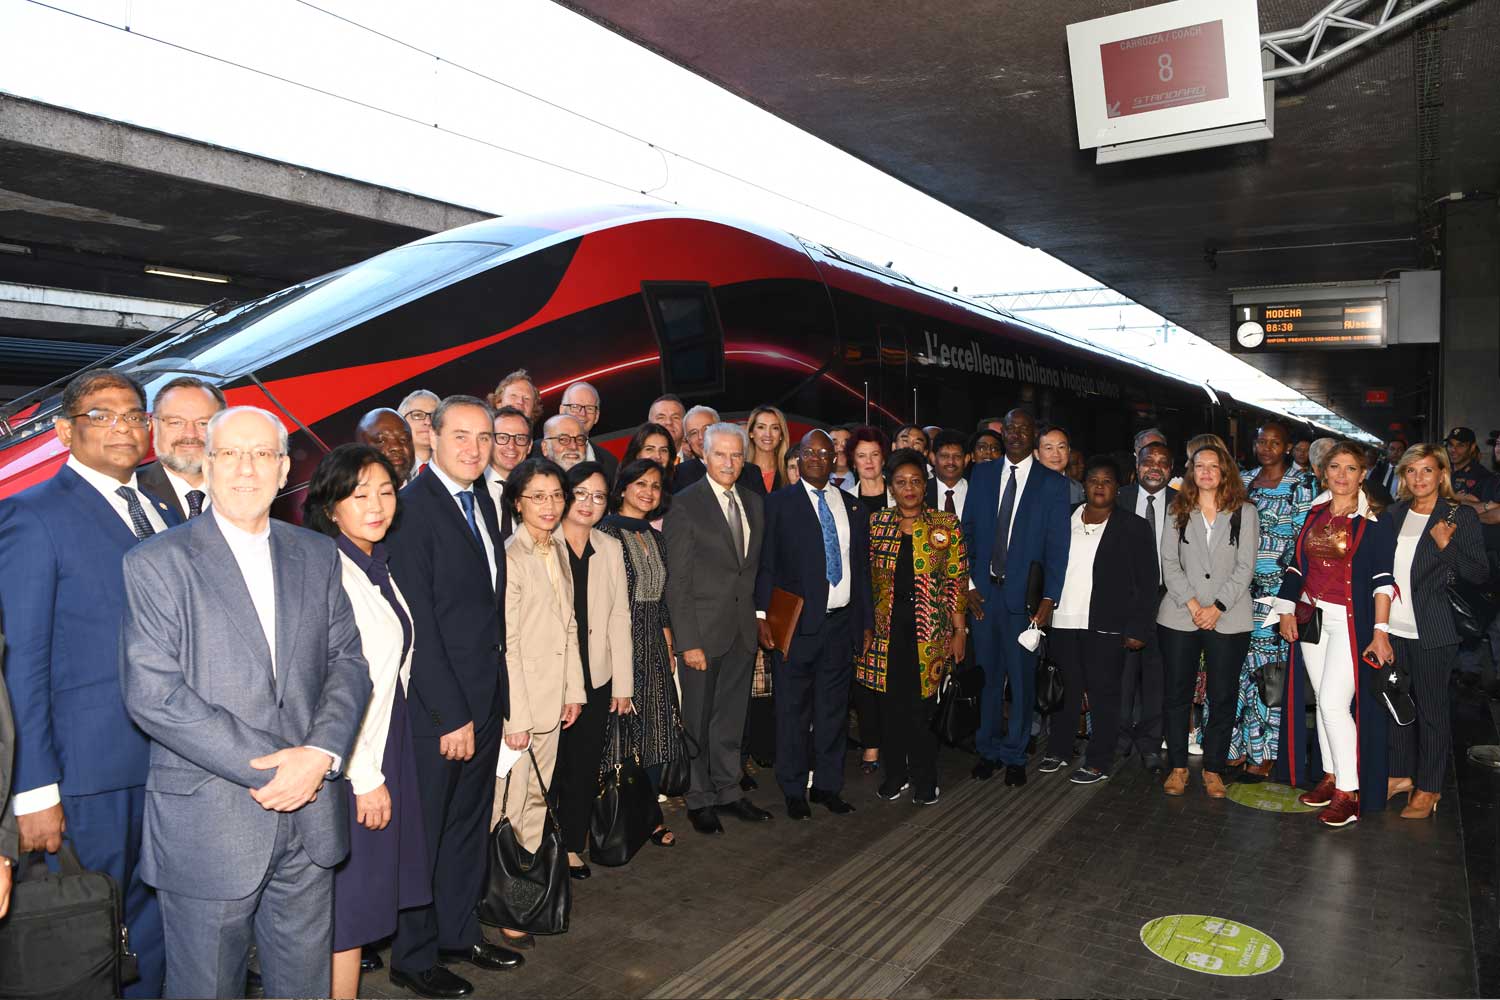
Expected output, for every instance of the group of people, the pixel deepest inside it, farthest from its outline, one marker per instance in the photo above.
(300, 738)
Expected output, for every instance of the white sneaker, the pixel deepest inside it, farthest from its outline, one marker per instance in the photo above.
(1195, 748)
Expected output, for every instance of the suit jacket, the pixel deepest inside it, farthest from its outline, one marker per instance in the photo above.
(381, 640)
(710, 586)
(1039, 534)
(62, 595)
(457, 669)
(153, 479)
(1430, 567)
(1210, 570)
(198, 677)
(1123, 596)
(541, 639)
(606, 459)
(9, 834)
(1130, 495)
(690, 470)
(609, 618)
(791, 557)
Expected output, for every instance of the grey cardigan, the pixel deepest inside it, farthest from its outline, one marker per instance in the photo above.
(1210, 570)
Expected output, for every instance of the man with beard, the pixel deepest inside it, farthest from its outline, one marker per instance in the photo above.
(179, 419)
(563, 440)
(384, 430)
(1141, 688)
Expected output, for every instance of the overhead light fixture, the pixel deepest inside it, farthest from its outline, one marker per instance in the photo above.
(177, 272)
(15, 248)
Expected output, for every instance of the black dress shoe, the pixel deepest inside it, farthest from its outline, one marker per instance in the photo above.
(1015, 774)
(369, 959)
(434, 982)
(743, 809)
(798, 808)
(747, 783)
(984, 770)
(580, 872)
(485, 955)
(831, 800)
(705, 820)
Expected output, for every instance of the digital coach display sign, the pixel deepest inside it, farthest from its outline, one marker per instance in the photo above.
(1299, 323)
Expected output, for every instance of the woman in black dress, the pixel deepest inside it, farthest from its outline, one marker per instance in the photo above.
(868, 447)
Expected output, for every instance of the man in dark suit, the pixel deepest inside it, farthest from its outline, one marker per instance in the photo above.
(581, 400)
(450, 565)
(692, 469)
(817, 546)
(512, 445)
(1142, 686)
(1384, 472)
(240, 658)
(9, 838)
(179, 419)
(948, 489)
(388, 433)
(713, 535)
(1016, 517)
(80, 762)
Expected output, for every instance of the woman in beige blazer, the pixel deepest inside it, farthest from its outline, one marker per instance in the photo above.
(601, 607)
(541, 646)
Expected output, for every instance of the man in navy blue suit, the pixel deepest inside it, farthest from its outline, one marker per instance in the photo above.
(1016, 517)
(817, 546)
(80, 762)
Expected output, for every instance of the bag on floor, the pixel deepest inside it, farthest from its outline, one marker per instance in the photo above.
(1050, 687)
(64, 936)
(527, 891)
(677, 773)
(957, 717)
(625, 809)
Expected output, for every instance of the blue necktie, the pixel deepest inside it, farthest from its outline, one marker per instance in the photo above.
(1002, 525)
(466, 501)
(833, 564)
(139, 523)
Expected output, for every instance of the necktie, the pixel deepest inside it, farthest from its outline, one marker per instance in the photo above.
(833, 563)
(497, 486)
(466, 501)
(736, 529)
(138, 519)
(948, 502)
(1002, 525)
(1151, 519)
(837, 481)
(195, 503)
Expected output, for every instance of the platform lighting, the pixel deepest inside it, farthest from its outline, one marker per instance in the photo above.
(15, 248)
(177, 272)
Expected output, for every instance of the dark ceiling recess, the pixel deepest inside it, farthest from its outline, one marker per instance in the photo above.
(971, 102)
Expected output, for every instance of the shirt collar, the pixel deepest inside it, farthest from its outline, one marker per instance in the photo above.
(448, 484)
(1363, 510)
(182, 485)
(237, 536)
(812, 491)
(106, 485)
(1024, 465)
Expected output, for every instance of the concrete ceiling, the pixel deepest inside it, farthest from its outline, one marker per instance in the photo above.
(971, 102)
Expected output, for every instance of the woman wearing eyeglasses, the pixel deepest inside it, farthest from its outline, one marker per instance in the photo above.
(639, 496)
(601, 607)
(547, 689)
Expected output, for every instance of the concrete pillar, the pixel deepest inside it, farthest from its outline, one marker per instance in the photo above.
(1471, 317)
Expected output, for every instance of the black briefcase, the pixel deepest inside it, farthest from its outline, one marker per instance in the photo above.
(64, 936)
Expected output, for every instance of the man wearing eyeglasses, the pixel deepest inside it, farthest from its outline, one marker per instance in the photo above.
(179, 418)
(512, 445)
(563, 440)
(80, 764)
(417, 409)
(581, 401)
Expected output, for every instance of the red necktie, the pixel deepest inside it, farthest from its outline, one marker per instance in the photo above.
(948, 503)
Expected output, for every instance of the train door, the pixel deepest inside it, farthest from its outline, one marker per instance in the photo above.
(873, 355)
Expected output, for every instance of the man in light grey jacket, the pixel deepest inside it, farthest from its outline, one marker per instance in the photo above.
(240, 659)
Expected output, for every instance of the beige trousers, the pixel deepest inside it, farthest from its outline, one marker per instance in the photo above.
(525, 805)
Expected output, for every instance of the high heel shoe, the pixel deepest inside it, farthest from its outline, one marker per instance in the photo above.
(1421, 805)
(1395, 786)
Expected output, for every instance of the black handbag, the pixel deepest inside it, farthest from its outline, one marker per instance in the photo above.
(625, 809)
(677, 773)
(956, 719)
(1473, 608)
(1309, 623)
(64, 936)
(1270, 678)
(527, 891)
(1050, 686)
(1395, 691)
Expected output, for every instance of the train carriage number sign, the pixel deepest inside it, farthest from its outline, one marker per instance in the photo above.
(1164, 69)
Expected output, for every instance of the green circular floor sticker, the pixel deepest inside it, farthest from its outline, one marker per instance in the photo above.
(1213, 945)
(1268, 797)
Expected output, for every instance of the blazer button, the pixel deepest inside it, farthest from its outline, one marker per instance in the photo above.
(1207, 577)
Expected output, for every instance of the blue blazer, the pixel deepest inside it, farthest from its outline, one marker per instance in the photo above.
(62, 595)
(1040, 533)
(458, 612)
(791, 557)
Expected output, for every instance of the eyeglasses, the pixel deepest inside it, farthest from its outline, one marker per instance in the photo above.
(418, 416)
(108, 418)
(178, 423)
(544, 498)
(521, 440)
(816, 453)
(566, 440)
(233, 456)
(584, 496)
(581, 408)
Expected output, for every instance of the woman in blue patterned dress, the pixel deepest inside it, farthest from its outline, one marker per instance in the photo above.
(1281, 494)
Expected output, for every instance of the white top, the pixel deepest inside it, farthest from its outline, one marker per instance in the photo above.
(1072, 609)
(484, 532)
(960, 494)
(1142, 507)
(182, 488)
(838, 593)
(1403, 620)
(107, 485)
(380, 636)
(1021, 471)
(722, 495)
(252, 553)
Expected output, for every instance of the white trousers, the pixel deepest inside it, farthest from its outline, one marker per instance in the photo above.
(1330, 667)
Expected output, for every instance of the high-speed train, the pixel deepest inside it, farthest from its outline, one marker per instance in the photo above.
(640, 302)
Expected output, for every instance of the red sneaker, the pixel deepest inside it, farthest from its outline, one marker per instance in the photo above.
(1320, 796)
(1343, 810)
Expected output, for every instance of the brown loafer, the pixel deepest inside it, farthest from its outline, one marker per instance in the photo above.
(1176, 783)
(1421, 805)
(1261, 770)
(1213, 785)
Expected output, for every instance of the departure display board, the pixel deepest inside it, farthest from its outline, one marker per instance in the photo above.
(1164, 69)
(1309, 325)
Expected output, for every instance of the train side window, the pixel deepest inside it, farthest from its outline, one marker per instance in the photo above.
(685, 319)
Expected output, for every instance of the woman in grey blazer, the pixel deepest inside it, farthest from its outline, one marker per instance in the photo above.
(1207, 561)
(1436, 538)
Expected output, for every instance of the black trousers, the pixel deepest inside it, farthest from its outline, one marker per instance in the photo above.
(1223, 656)
(812, 707)
(908, 745)
(1420, 750)
(456, 798)
(1142, 684)
(575, 779)
(868, 706)
(1091, 662)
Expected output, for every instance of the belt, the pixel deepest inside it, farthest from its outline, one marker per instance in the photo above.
(836, 611)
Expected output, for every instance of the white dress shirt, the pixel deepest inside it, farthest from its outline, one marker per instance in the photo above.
(722, 495)
(182, 488)
(960, 494)
(838, 593)
(1022, 473)
(484, 532)
(1160, 526)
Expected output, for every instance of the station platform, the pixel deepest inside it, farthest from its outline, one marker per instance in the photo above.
(1049, 890)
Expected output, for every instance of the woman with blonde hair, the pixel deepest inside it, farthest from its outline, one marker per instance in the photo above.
(769, 438)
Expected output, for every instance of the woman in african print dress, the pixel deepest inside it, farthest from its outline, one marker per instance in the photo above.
(1282, 497)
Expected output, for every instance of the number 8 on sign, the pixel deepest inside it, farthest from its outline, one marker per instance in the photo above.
(1164, 67)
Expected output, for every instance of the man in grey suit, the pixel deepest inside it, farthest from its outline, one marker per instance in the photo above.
(240, 659)
(713, 534)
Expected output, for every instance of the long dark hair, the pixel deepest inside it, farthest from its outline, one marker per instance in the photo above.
(629, 473)
(638, 441)
(335, 480)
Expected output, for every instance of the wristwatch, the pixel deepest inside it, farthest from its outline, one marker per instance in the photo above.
(1220, 605)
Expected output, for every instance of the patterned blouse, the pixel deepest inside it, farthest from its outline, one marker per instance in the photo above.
(941, 567)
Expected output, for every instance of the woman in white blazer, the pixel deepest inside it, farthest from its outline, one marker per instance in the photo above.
(601, 608)
(352, 498)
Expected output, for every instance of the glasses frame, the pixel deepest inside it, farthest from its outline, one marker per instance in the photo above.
(106, 419)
